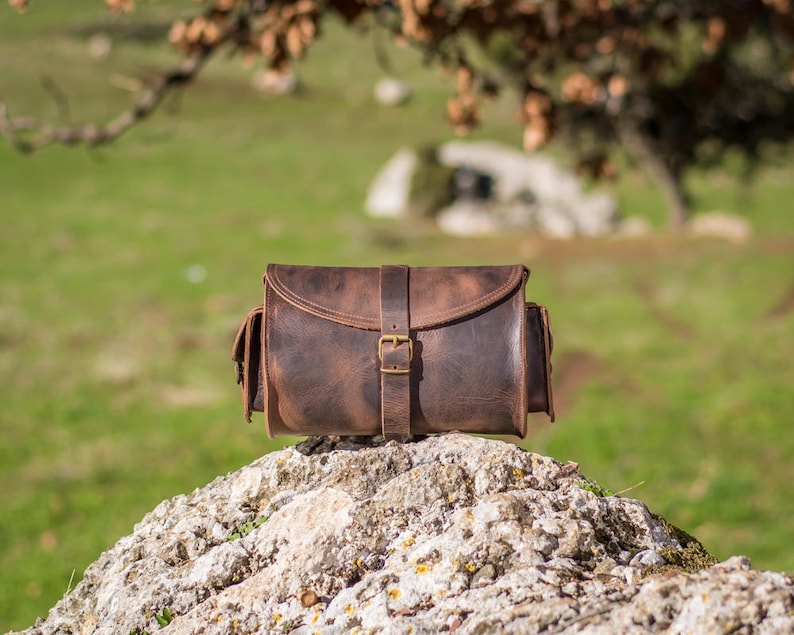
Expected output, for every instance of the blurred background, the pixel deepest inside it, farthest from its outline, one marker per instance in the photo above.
(125, 271)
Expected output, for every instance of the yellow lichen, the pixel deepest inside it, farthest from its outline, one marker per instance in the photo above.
(421, 569)
(349, 610)
(518, 472)
(471, 568)
(408, 542)
(393, 594)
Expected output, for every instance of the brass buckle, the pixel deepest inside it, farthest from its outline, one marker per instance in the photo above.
(396, 340)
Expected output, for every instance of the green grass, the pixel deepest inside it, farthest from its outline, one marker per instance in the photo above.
(671, 366)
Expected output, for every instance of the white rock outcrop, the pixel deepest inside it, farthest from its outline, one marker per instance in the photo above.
(389, 192)
(448, 534)
(531, 192)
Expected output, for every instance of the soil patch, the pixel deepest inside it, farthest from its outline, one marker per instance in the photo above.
(572, 370)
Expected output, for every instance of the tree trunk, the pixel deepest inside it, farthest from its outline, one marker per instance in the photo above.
(645, 152)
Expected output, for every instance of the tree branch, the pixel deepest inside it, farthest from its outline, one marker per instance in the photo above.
(644, 150)
(27, 134)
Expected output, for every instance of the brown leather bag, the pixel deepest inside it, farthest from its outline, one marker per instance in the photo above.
(395, 351)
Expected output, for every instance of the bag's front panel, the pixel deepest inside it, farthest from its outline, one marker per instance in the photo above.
(322, 377)
(469, 374)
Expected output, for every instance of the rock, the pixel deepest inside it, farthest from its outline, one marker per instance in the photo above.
(595, 214)
(515, 171)
(389, 192)
(554, 223)
(528, 192)
(100, 46)
(647, 558)
(453, 532)
(634, 227)
(391, 91)
(720, 225)
(559, 207)
(468, 218)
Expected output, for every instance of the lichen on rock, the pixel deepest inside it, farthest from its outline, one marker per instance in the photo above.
(448, 533)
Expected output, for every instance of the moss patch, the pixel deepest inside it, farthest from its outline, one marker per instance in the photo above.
(430, 185)
(692, 558)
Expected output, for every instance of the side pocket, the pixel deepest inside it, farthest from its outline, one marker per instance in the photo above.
(246, 353)
(540, 343)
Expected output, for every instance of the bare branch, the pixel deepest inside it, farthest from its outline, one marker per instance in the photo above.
(58, 96)
(27, 134)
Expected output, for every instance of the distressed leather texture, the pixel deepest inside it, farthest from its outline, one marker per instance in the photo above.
(395, 350)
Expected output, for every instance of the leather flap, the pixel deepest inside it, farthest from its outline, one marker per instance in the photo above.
(351, 296)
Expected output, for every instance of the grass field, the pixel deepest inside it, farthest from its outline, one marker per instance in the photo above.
(673, 355)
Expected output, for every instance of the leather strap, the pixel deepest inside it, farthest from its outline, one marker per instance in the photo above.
(395, 350)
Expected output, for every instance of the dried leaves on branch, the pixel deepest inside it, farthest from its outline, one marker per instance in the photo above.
(28, 134)
(672, 81)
